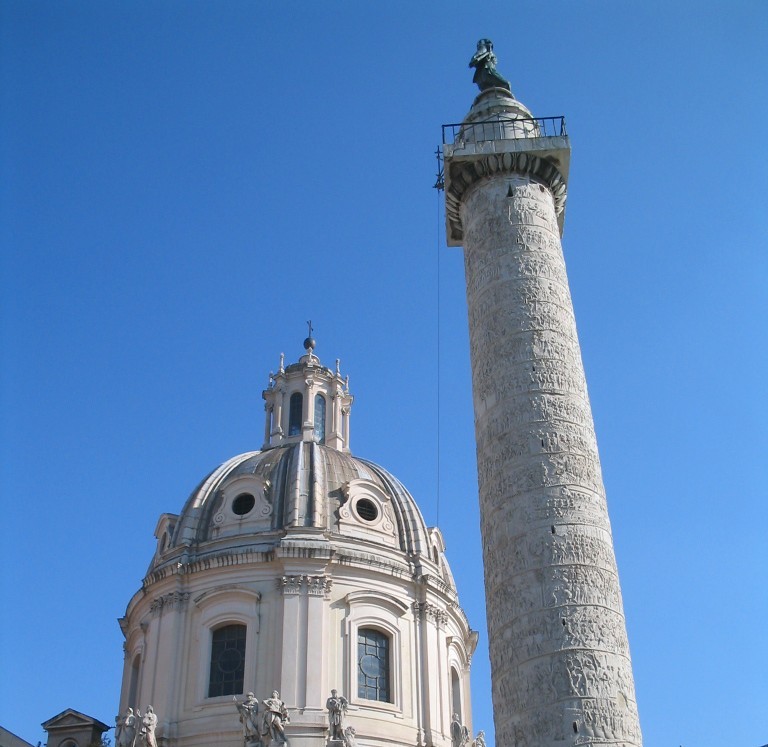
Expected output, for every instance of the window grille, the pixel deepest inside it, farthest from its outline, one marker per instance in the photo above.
(373, 681)
(227, 661)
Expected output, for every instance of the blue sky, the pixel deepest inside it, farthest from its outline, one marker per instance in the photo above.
(185, 183)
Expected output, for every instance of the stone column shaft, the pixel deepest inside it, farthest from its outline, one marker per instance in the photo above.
(561, 672)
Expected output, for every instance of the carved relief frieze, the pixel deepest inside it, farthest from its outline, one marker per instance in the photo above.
(562, 436)
(512, 383)
(517, 348)
(532, 297)
(527, 212)
(515, 596)
(600, 720)
(594, 627)
(561, 502)
(592, 721)
(532, 474)
(536, 408)
(534, 437)
(487, 269)
(488, 345)
(578, 545)
(541, 549)
(490, 326)
(546, 631)
(549, 470)
(580, 584)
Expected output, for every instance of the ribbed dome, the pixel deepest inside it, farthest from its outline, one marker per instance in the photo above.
(300, 487)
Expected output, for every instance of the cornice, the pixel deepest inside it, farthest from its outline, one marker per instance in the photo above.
(221, 559)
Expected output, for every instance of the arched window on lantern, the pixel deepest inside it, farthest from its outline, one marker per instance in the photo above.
(295, 414)
(320, 418)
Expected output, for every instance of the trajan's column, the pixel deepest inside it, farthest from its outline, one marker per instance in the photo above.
(560, 663)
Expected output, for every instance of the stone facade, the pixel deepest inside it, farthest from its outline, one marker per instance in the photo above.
(561, 670)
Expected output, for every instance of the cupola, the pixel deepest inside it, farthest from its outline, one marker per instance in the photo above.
(306, 401)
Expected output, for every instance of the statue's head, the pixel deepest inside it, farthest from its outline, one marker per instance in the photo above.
(130, 711)
(250, 696)
(275, 694)
(485, 44)
(334, 693)
(150, 709)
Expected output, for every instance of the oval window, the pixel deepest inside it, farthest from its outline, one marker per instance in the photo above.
(366, 510)
(243, 504)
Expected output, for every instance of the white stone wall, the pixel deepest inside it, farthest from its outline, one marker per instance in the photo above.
(302, 617)
(559, 654)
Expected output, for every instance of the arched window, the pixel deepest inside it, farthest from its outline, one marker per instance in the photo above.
(227, 661)
(133, 687)
(456, 694)
(373, 665)
(295, 414)
(320, 418)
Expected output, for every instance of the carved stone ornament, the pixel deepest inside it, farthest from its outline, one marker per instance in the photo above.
(465, 174)
(426, 611)
(175, 600)
(366, 512)
(318, 586)
(244, 506)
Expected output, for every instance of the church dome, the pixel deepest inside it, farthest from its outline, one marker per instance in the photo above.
(303, 487)
(300, 569)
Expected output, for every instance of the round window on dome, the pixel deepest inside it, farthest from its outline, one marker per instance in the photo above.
(243, 504)
(367, 510)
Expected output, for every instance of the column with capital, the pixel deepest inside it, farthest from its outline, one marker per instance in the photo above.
(561, 672)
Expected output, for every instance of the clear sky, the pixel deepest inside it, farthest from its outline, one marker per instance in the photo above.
(185, 183)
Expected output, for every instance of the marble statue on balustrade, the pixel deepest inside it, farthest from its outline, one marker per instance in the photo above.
(337, 708)
(125, 729)
(148, 726)
(275, 719)
(459, 732)
(249, 718)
